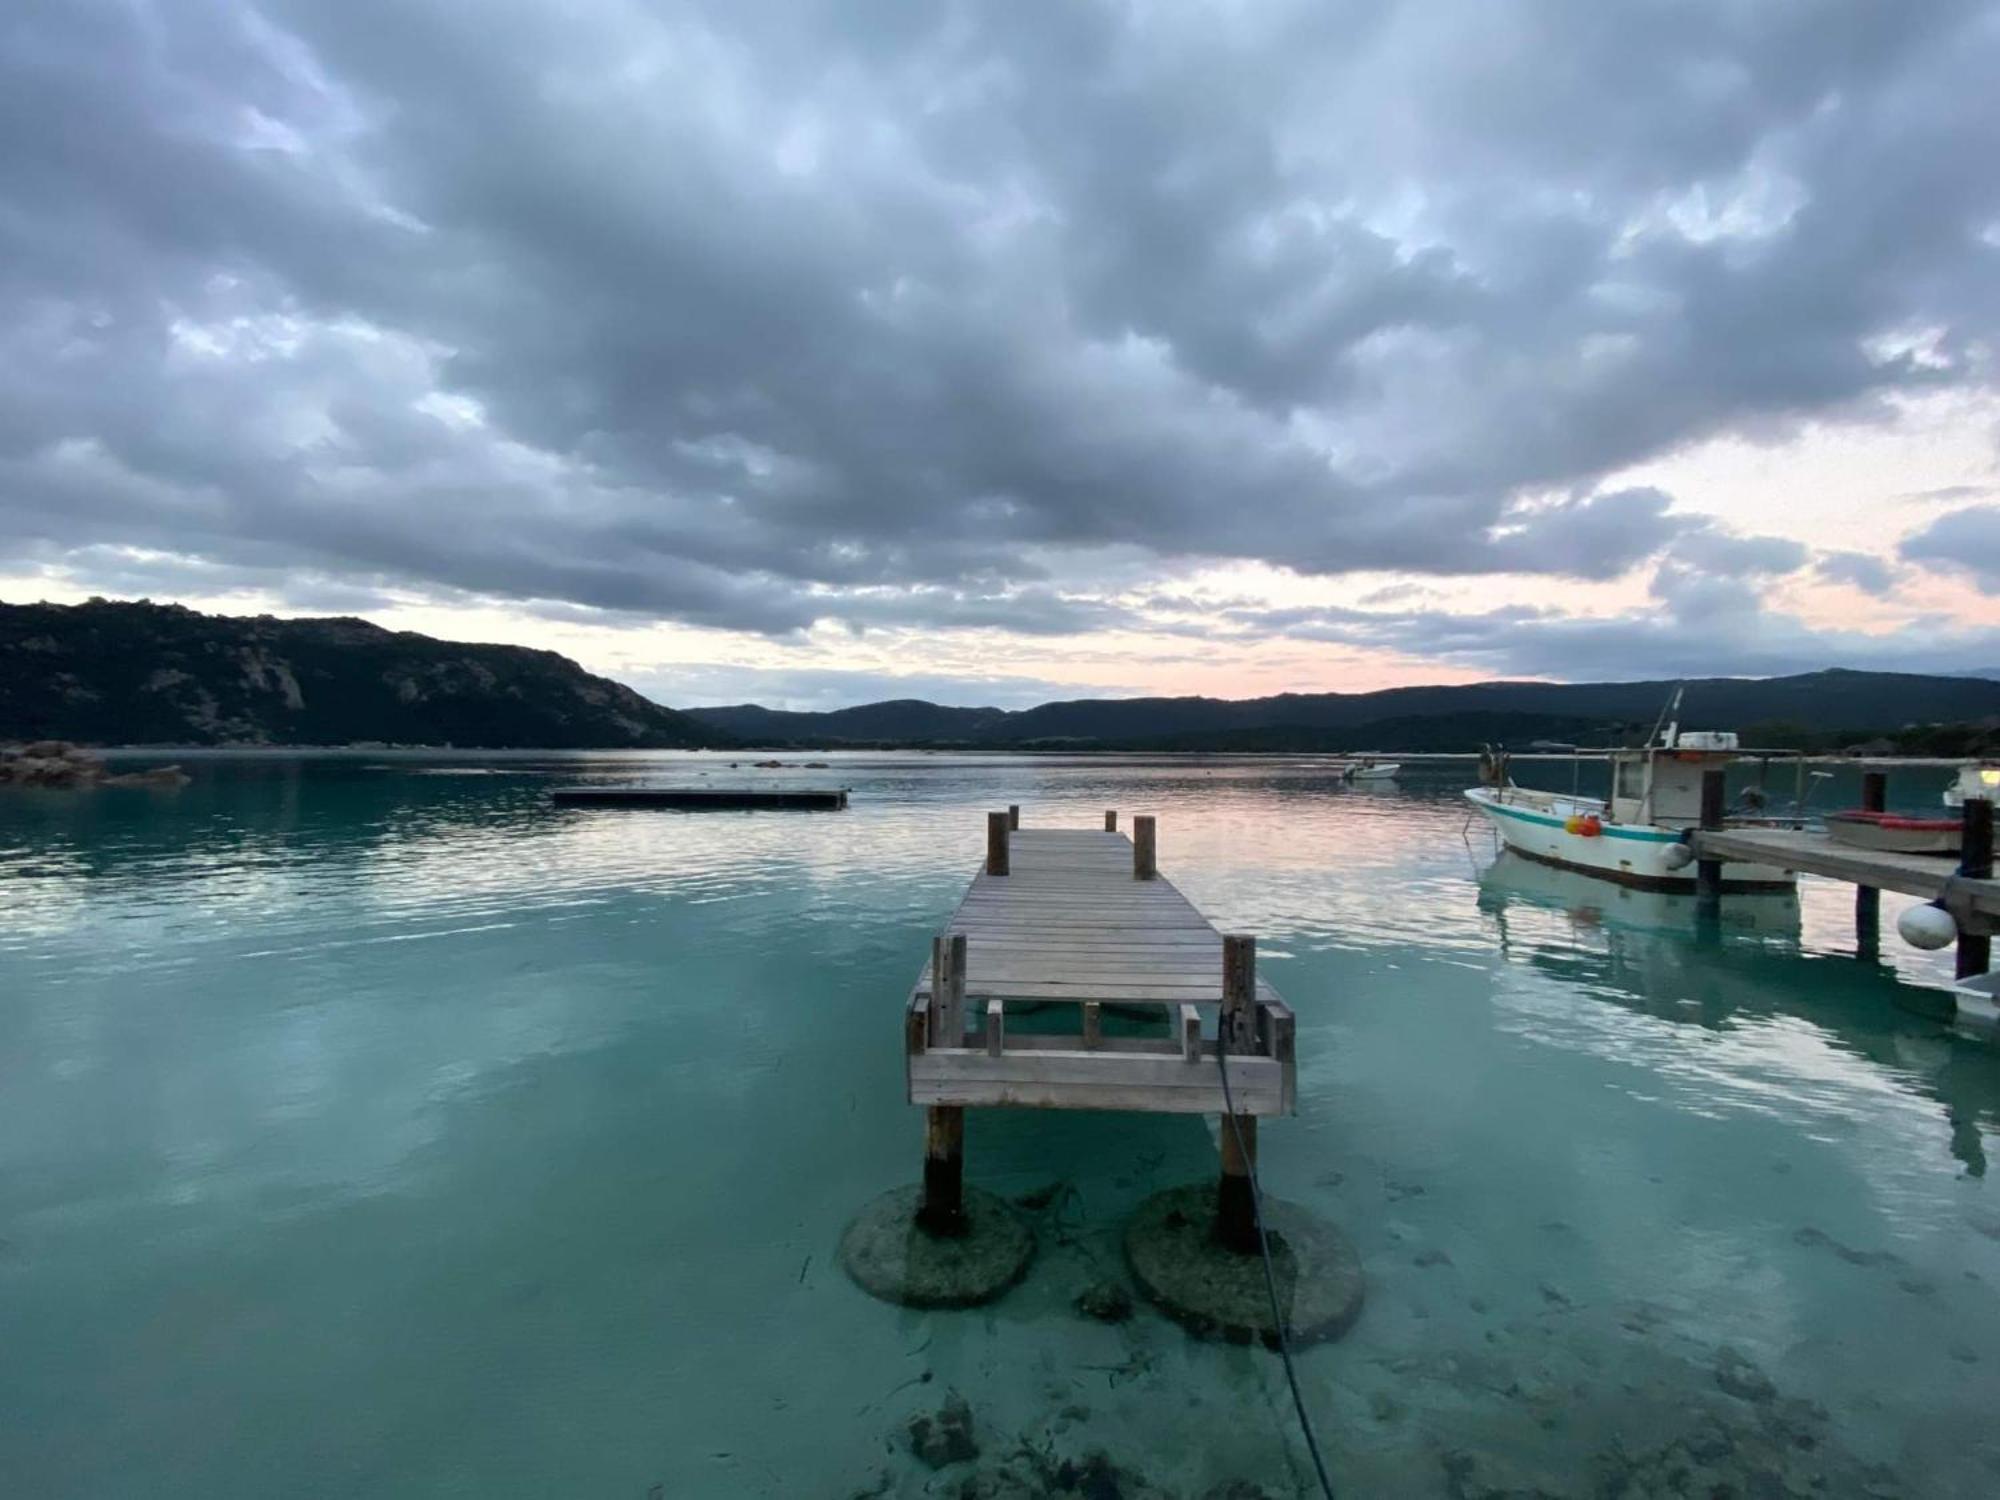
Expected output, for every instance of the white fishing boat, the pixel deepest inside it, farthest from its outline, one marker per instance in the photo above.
(1640, 835)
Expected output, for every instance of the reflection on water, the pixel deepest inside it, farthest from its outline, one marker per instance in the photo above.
(368, 1126)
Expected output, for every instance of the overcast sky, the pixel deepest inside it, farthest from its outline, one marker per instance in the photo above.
(812, 352)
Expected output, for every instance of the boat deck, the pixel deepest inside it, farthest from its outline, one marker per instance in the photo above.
(1071, 922)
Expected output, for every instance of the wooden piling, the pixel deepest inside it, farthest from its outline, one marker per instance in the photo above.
(948, 990)
(1145, 864)
(942, 1211)
(1236, 1034)
(1110, 820)
(1708, 872)
(1975, 859)
(1868, 898)
(1013, 815)
(997, 829)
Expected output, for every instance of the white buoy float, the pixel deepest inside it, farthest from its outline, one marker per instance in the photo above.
(1927, 926)
(1678, 856)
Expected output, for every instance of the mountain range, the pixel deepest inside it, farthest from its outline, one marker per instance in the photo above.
(1407, 719)
(110, 672)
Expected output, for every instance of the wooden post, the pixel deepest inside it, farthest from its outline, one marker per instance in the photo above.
(948, 990)
(942, 1211)
(1110, 820)
(1235, 1200)
(942, 1208)
(1867, 899)
(996, 843)
(1144, 864)
(1708, 872)
(1975, 859)
(1013, 815)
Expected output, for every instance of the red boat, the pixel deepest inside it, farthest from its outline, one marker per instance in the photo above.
(1893, 833)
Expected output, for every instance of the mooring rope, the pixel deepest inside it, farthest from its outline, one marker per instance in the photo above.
(1270, 1275)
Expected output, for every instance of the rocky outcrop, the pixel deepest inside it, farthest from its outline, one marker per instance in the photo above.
(139, 673)
(57, 763)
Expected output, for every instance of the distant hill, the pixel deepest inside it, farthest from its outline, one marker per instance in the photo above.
(142, 673)
(1411, 719)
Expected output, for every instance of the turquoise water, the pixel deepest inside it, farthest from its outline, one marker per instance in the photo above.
(369, 1128)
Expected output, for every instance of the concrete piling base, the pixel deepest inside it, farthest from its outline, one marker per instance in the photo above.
(1214, 1292)
(890, 1256)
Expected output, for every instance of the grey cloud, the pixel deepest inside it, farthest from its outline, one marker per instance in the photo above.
(1864, 570)
(1718, 552)
(756, 315)
(1965, 541)
(1738, 637)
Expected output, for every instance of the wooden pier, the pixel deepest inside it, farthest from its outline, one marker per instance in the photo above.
(1082, 917)
(1963, 887)
(1809, 853)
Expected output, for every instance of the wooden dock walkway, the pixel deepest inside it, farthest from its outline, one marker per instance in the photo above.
(702, 798)
(1082, 918)
(1963, 889)
(1070, 922)
(1927, 876)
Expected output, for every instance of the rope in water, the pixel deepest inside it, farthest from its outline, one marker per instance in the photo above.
(1270, 1275)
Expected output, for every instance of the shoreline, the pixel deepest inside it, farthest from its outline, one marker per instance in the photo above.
(1023, 752)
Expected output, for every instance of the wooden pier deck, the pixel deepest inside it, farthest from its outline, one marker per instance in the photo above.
(1079, 917)
(1926, 876)
(703, 798)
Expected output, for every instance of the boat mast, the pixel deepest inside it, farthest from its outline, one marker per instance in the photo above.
(1673, 706)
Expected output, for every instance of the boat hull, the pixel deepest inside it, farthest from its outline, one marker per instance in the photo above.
(1895, 835)
(1637, 857)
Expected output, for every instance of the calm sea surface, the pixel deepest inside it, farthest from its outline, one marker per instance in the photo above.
(368, 1127)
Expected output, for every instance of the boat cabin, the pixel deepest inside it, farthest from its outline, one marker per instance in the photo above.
(1661, 784)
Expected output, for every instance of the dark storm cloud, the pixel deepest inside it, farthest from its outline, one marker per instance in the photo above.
(753, 315)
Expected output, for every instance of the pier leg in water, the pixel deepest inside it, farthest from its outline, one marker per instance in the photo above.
(942, 1211)
(1235, 1206)
(1195, 1251)
(1867, 899)
(941, 1244)
(1708, 872)
(1975, 858)
(1235, 1210)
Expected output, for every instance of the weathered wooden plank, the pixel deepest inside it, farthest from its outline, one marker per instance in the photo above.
(1816, 854)
(1047, 1079)
(1068, 922)
(1088, 989)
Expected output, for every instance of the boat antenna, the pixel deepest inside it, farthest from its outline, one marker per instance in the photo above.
(1673, 706)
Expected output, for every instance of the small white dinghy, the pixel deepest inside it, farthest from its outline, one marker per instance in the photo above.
(1979, 778)
(1372, 770)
